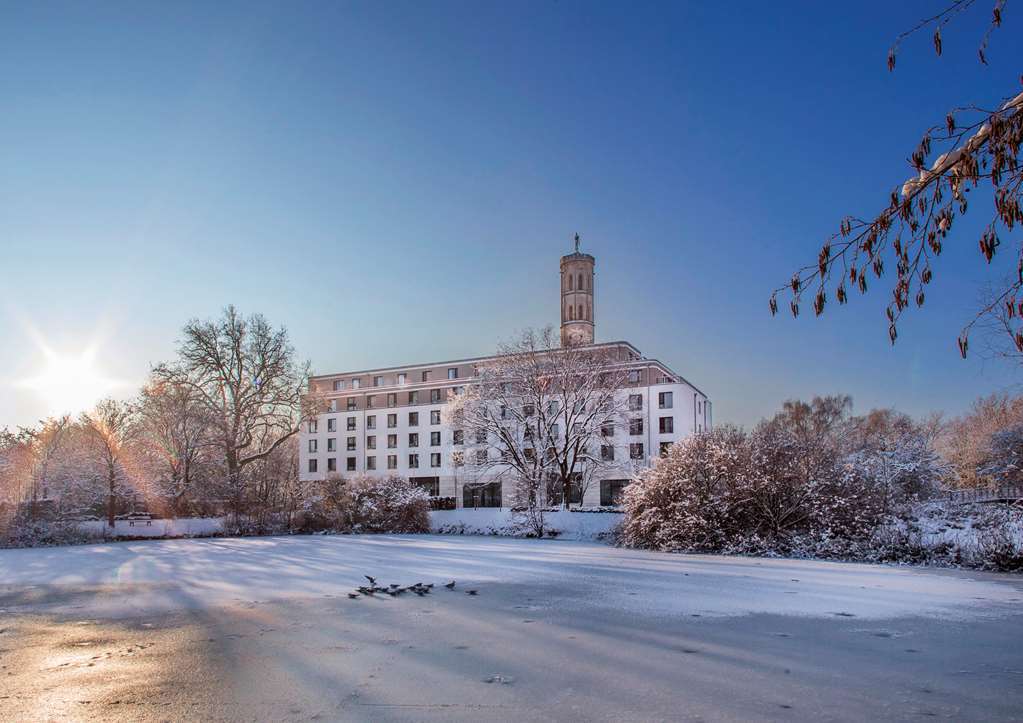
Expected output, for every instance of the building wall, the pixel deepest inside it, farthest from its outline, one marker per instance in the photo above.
(690, 413)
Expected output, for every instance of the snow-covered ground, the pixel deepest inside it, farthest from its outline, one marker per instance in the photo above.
(497, 521)
(262, 628)
(183, 527)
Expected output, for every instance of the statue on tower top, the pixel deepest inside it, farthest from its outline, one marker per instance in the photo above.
(577, 243)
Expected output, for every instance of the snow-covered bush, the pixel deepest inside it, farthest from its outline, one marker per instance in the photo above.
(366, 504)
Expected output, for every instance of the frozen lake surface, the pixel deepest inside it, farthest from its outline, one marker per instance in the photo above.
(262, 628)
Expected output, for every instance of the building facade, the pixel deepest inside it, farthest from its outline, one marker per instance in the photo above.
(391, 420)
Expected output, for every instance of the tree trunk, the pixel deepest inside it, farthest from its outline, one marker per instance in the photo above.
(111, 501)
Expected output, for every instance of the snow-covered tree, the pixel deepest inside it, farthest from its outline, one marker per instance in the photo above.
(177, 445)
(245, 374)
(111, 429)
(537, 416)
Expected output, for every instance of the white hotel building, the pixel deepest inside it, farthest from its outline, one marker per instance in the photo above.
(390, 421)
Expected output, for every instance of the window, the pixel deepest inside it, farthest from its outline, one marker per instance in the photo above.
(332, 406)
(312, 426)
(458, 437)
(392, 421)
(332, 424)
(402, 378)
(552, 408)
(371, 462)
(371, 421)
(425, 376)
(312, 446)
(413, 397)
(607, 453)
(332, 464)
(634, 376)
(312, 465)
(607, 429)
(435, 459)
(529, 453)
(371, 442)
(413, 419)
(453, 373)
(528, 410)
(556, 431)
(350, 464)
(504, 412)
(581, 286)
(392, 461)
(636, 450)
(392, 441)
(434, 396)
(571, 282)
(350, 424)
(664, 400)
(481, 436)
(378, 381)
(434, 439)
(434, 416)
(352, 405)
(666, 425)
(413, 440)
(392, 399)
(430, 484)
(413, 461)
(477, 495)
(370, 401)
(331, 444)
(356, 383)
(350, 443)
(665, 448)
(339, 384)
(636, 426)
(481, 456)
(635, 402)
(611, 491)
(458, 458)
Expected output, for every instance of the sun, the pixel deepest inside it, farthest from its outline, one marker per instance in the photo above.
(70, 383)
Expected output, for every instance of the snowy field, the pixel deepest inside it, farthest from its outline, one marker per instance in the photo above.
(262, 629)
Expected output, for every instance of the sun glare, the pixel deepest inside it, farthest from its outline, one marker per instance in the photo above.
(69, 384)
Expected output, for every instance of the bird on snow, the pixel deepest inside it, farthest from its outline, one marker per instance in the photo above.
(372, 580)
(471, 592)
(450, 585)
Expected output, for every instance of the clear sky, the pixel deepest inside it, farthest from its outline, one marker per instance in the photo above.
(395, 182)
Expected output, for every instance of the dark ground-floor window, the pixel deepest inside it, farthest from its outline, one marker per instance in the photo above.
(488, 495)
(611, 491)
(430, 484)
(575, 490)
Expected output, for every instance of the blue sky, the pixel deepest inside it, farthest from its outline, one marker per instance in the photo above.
(395, 182)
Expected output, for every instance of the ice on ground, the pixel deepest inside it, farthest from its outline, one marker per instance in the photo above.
(174, 574)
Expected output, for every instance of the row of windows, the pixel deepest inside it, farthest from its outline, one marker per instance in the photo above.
(352, 403)
(666, 425)
(665, 400)
(580, 286)
(637, 452)
(382, 381)
(371, 462)
(313, 425)
(371, 442)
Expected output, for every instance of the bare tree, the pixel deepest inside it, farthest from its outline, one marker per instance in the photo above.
(245, 374)
(177, 429)
(974, 146)
(113, 428)
(538, 416)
